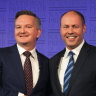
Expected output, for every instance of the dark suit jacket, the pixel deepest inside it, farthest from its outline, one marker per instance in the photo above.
(12, 76)
(83, 78)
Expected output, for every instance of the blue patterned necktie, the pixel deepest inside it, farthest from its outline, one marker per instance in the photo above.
(68, 72)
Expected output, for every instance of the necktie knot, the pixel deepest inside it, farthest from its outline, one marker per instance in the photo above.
(27, 53)
(70, 53)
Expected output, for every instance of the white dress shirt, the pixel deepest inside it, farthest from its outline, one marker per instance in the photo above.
(34, 64)
(64, 62)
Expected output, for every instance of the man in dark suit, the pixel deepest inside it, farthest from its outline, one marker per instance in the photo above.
(12, 60)
(81, 75)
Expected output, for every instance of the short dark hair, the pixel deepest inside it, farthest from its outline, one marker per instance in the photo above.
(78, 13)
(26, 12)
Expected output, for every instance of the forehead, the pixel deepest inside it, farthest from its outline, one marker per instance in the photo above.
(71, 18)
(25, 19)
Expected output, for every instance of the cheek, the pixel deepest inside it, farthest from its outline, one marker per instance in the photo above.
(16, 35)
(63, 34)
(16, 32)
(32, 35)
(61, 31)
(80, 33)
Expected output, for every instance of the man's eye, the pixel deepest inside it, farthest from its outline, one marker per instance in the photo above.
(75, 26)
(17, 27)
(29, 26)
(64, 27)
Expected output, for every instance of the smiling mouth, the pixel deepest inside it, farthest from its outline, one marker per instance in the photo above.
(23, 36)
(71, 37)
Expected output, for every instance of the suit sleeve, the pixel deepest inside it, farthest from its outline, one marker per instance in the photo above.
(3, 91)
(1, 87)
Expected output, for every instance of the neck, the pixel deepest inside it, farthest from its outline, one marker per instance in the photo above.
(27, 47)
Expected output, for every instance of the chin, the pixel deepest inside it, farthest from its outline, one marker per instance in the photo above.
(23, 43)
(71, 46)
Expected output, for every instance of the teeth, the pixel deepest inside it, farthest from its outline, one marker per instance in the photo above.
(22, 36)
(71, 37)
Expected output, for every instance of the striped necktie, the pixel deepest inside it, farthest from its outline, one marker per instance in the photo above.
(28, 73)
(68, 72)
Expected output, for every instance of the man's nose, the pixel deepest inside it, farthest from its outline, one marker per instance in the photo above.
(22, 30)
(70, 30)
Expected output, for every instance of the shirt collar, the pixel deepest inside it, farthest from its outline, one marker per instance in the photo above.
(76, 50)
(22, 50)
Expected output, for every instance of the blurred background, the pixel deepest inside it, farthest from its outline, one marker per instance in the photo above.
(49, 11)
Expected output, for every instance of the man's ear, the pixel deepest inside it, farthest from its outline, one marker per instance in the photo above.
(84, 28)
(39, 33)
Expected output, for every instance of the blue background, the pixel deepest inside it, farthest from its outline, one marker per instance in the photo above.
(49, 11)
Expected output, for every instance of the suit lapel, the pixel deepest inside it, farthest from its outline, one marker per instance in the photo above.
(40, 61)
(55, 66)
(78, 65)
(18, 68)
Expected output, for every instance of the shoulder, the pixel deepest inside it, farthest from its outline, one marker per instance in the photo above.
(92, 50)
(90, 47)
(58, 55)
(42, 56)
(8, 50)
